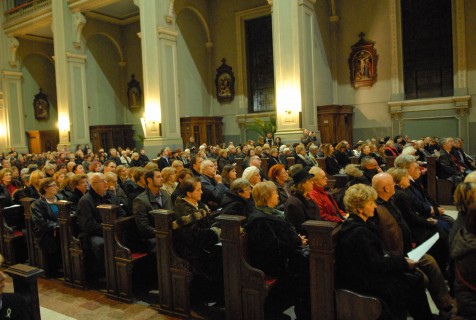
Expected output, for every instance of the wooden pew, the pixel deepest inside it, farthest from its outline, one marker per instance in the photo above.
(325, 300)
(264, 165)
(30, 243)
(12, 223)
(431, 177)
(71, 248)
(246, 287)
(174, 273)
(119, 259)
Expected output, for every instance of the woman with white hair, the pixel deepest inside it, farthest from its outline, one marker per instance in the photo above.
(252, 175)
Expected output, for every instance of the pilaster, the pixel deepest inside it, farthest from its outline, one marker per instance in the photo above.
(12, 125)
(73, 122)
(293, 50)
(161, 121)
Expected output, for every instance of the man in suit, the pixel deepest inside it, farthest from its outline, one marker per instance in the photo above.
(212, 186)
(446, 167)
(164, 160)
(151, 199)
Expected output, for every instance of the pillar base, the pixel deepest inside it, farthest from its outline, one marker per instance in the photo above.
(152, 146)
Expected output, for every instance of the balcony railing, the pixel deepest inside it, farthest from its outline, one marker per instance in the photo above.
(25, 8)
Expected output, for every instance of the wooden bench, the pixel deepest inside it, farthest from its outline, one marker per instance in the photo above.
(119, 235)
(325, 300)
(246, 287)
(174, 273)
(239, 167)
(12, 223)
(72, 251)
(30, 242)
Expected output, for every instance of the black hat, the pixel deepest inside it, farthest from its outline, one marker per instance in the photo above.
(302, 176)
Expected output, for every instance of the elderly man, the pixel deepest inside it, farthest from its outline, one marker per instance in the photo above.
(370, 168)
(151, 199)
(212, 186)
(255, 161)
(396, 239)
(446, 166)
(89, 219)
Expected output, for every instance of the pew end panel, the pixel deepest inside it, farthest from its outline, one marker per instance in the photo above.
(246, 287)
(30, 243)
(12, 224)
(174, 272)
(328, 303)
(71, 247)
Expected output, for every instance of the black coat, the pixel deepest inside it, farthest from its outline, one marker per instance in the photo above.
(363, 266)
(45, 225)
(234, 204)
(88, 217)
(446, 167)
(213, 192)
(298, 210)
(332, 166)
(164, 162)
(272, 242)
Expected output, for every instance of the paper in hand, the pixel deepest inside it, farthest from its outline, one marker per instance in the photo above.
(423, 248)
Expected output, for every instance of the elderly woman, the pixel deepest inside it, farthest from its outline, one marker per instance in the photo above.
(364, 267)
(252, 174)
(463, 254)
(279, 176)
(328, 207)
(228, 175)
(275, 248)
(237, 200)
(169, 177)
(135, 161)
(45, 213)
(464, 196)
(79, 183)
(300, 207)
(194, 236)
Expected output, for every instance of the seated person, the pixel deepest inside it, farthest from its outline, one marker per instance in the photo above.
(79, 182)
(238, 201)
(44, 214)
(195, 239)
(463, 254)
(446, 166)
(363, 266)
(300, 207)
(370, 168)
(279, 176)
(328, 208)
(152, 198)
(213, 187)
(89, 223)
(275, 248)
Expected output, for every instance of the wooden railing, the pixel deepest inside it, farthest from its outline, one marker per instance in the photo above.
(25, 8)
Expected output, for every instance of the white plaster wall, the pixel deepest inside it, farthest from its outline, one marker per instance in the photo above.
(106, 99)
(322, 57)
(192, 66)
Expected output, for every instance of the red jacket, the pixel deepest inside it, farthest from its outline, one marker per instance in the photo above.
(327, 205)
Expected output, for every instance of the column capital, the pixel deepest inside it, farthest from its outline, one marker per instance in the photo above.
(167, 33)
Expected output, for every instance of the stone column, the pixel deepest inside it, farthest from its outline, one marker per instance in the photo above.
(161, 121)
(73, 122)
(12, 115)
(293, 28)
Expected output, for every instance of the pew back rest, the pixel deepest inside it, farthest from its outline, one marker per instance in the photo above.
(13, 218)
(127, 236)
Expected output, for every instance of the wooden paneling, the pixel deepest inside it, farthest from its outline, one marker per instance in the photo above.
(335, 123)
(109, 136)
(207, 130)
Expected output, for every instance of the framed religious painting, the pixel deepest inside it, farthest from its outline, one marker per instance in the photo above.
(225, 83)
(134, 94)
(363, 63)
(41, 106)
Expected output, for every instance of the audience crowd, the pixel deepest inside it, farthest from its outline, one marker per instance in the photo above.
(384, 213)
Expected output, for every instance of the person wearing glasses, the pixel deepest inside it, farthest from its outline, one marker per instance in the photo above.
(45, 213)
(89, 221)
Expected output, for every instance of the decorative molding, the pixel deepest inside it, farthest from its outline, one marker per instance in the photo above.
(167, 33)
(13, 45)
(137, 3)
(76, 57)
(170, 17)
(394, 47)
(460, 35)
(270, 2)
(79, 21)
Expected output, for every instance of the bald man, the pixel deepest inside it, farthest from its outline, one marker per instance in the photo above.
(89, 218)
(396, 239)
